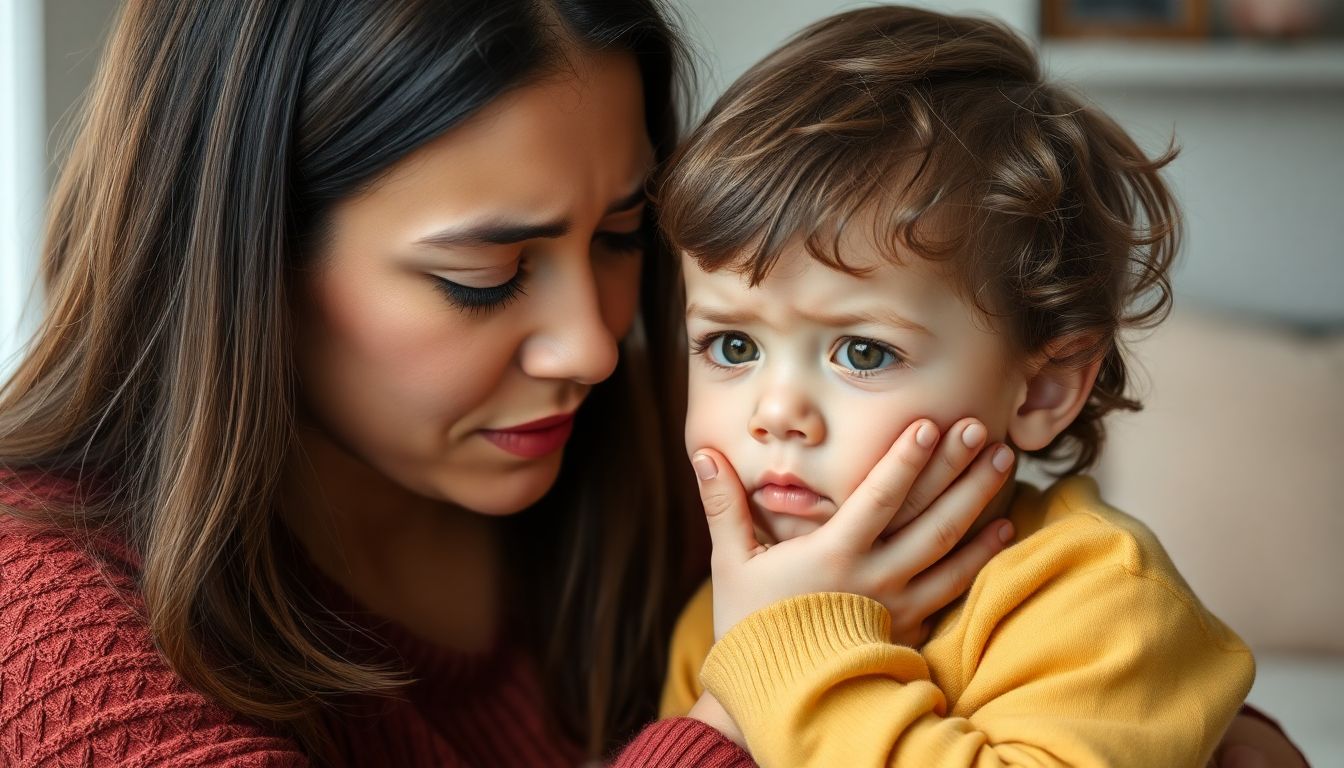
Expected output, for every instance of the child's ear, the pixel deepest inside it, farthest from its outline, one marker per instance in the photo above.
(1052, 396)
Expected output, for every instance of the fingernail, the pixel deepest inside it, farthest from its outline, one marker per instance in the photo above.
(973, 436)
(1003, 458)
(705, 468)
(926, 435)
(1005, 532)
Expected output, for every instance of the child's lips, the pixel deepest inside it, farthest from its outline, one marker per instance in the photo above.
(788, 495)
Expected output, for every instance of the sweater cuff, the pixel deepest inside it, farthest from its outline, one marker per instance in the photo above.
(798, 645)
(680, 742)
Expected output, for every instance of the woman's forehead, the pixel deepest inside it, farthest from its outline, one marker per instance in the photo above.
(566, 147)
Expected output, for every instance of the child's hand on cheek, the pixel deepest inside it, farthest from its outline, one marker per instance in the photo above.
(907, 572)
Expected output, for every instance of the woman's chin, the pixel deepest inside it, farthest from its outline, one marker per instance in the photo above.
(504, 493)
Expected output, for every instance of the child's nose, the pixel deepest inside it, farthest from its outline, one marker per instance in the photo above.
(786, 414)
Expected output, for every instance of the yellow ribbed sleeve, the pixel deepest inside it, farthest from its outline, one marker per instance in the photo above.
(1078, 646)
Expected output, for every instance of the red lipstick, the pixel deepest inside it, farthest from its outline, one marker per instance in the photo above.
(535, 438)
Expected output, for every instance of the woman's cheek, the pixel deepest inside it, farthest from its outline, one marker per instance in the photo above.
(428, 363)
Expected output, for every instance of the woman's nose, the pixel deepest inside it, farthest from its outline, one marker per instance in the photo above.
(786, 413)
(572, 340)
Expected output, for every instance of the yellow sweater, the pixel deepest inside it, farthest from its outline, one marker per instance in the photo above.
(1079, 645)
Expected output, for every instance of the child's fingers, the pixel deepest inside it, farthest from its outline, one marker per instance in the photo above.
(726, 510)
(872, 505)
(957, 449)
(950, 577)
(933, 534)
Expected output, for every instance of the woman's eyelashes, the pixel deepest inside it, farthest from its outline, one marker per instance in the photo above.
(476, 301)
(856, 356)
(479, 300)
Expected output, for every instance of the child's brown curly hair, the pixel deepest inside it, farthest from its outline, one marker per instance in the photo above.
(1047, 215)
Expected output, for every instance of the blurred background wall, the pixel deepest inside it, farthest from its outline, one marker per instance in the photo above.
(1238, 461)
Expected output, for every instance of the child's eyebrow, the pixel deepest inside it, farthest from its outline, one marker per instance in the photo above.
(719, 317)
(722, 317)
(859, 318)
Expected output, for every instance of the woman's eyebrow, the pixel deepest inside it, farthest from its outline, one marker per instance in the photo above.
(493, 232)
(505, 232)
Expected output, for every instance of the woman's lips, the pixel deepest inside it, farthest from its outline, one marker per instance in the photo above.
(535, 438)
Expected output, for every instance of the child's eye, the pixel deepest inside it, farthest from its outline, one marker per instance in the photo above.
(864, 356)
(728, 349)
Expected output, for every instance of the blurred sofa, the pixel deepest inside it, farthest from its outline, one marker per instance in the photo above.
(1237, 463)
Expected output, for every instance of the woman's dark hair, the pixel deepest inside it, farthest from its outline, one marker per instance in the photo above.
(1046, 213)
(217, 137)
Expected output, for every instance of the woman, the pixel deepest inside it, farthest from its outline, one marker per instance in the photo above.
(315, 270)
(328, 282)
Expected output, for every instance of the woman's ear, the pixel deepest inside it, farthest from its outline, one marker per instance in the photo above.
(1053, 396)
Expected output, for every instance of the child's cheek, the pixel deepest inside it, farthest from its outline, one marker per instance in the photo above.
(863, 434)
(706, 417)
(866, 429)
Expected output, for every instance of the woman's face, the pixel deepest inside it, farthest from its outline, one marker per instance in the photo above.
(482, 286)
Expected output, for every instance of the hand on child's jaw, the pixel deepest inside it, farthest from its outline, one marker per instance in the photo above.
(956, 449)
(913, 575)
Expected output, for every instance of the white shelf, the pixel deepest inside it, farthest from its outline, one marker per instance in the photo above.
(1217, 65)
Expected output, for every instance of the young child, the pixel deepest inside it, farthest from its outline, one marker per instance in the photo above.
(894, 218)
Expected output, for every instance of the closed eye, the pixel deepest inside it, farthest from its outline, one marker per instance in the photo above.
(477, 301)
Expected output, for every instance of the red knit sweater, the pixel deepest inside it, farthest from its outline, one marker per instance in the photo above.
(81, 684)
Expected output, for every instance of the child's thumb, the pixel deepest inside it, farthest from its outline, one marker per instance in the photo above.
(725, 505)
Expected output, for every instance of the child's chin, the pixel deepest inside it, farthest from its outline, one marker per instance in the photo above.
(772, 527)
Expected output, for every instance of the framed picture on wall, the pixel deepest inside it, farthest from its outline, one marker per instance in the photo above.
(1125, 18)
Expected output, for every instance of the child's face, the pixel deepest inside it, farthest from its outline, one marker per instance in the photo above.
(806, 380)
